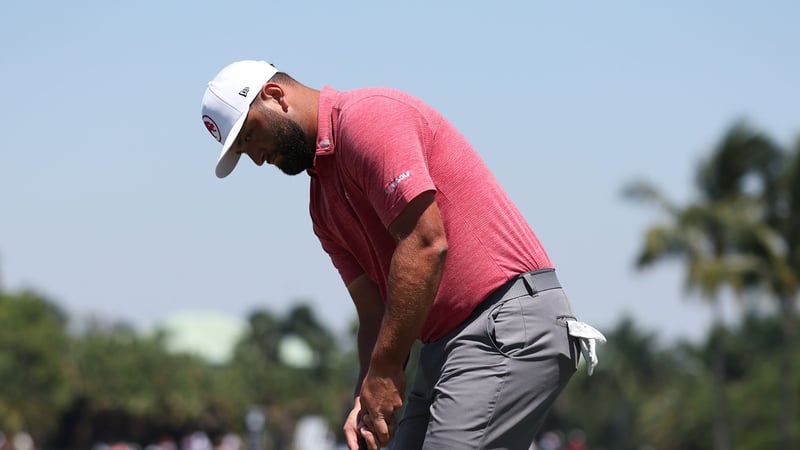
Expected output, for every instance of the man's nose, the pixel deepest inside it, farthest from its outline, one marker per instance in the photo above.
(258, 160)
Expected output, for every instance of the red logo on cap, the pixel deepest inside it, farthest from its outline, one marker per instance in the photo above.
(212, 128)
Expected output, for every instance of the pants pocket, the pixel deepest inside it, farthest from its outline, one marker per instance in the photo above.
(533, 327)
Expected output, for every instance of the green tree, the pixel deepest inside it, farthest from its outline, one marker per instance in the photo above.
(33, 342)
(717, 236)
(645, 395)
(754, 378)
(773, 175)
(285, 386)
(637, 397)
(783, 278)
(126, 386)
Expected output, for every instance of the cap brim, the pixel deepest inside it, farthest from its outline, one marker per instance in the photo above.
(229, 158)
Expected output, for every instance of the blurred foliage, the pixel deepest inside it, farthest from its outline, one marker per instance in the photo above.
(109, 383)
(646, 395)
(124, 385)
(288, 392)
(740, 233)
(33, 378)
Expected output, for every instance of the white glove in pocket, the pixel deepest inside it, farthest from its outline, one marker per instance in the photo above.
(586, 335)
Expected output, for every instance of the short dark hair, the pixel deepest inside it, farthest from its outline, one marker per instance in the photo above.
(282, 77)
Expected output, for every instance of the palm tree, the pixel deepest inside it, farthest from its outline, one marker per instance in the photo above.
(783, 281)
(718, 236)
(698, 234)
(777, 178)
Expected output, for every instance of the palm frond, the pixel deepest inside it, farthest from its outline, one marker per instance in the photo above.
(645, 192)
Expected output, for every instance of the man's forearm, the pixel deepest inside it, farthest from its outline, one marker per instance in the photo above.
(370, 307)
(365, 340)
(414, 277)
(415, 272)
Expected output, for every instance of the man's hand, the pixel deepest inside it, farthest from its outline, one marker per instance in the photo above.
(381, 395)
(355, 430)
(350, 427)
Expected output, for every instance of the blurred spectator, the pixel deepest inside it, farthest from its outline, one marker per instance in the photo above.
(230, 442)
(576, 440)
(23, 441)
(312, 433)
(167, 443)
(197, 441)
(551, 440)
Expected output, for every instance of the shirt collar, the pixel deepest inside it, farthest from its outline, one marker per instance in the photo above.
(326, 116)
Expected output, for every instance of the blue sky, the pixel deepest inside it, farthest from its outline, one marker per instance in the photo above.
(109, 201)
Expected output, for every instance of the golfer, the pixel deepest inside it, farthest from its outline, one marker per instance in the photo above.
(429, 246)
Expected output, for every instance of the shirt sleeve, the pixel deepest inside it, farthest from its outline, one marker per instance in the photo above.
(387, 142)
(347, 265)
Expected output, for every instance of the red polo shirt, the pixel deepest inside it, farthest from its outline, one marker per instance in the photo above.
(377, 149)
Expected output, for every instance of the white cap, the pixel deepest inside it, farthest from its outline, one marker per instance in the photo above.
(226, 102)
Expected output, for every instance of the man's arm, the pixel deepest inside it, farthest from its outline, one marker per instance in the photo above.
(414, 276)
(369, 306)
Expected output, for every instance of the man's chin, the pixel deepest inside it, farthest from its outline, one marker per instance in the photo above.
(292, 169)
(294, 166)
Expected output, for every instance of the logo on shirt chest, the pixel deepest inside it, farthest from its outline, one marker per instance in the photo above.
(397, 180)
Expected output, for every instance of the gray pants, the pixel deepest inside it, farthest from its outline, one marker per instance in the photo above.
(490, 382)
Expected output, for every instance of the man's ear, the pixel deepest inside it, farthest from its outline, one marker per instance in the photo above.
(274, 91)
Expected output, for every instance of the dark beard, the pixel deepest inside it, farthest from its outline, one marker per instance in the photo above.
(296, 154)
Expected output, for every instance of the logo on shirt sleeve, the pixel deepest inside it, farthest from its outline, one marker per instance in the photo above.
(397, 180)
